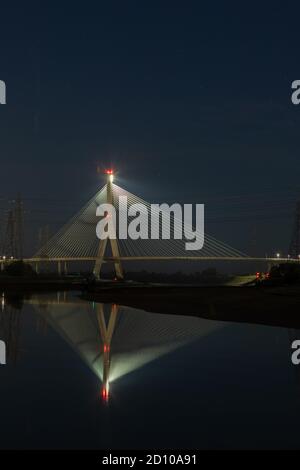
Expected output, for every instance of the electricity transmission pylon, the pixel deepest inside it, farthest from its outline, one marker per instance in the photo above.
(13, 238)
(113, 242)
(294, 251)
(43, 241)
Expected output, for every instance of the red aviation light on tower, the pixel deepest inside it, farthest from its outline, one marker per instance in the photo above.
(110, 173)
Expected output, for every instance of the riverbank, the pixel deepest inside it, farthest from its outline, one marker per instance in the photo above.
(269, 306)
(273, 306)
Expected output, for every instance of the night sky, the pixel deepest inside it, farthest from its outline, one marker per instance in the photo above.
(191, 102)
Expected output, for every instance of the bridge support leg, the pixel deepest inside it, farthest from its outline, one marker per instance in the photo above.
(37, 268)
(59, 268)
(113, 243)
(65, 268)
(99, 260)
(117, 263)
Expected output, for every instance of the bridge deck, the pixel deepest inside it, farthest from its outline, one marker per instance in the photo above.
(155, 258)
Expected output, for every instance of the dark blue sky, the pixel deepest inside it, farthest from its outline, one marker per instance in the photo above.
(191, 102)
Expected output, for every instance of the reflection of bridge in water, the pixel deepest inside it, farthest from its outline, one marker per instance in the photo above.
(113, 340)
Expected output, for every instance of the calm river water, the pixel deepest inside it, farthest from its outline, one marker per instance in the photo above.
(89, 375)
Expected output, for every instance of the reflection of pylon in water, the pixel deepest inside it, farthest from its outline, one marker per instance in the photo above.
(10, 321)
(41, 325)
(106, 332)
(13, 239)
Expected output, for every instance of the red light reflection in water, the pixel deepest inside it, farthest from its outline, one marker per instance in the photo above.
(105, 394)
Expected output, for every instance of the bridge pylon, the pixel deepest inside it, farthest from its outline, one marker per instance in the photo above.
(113, 242)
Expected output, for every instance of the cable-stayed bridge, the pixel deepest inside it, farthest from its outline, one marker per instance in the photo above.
(77, 240)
